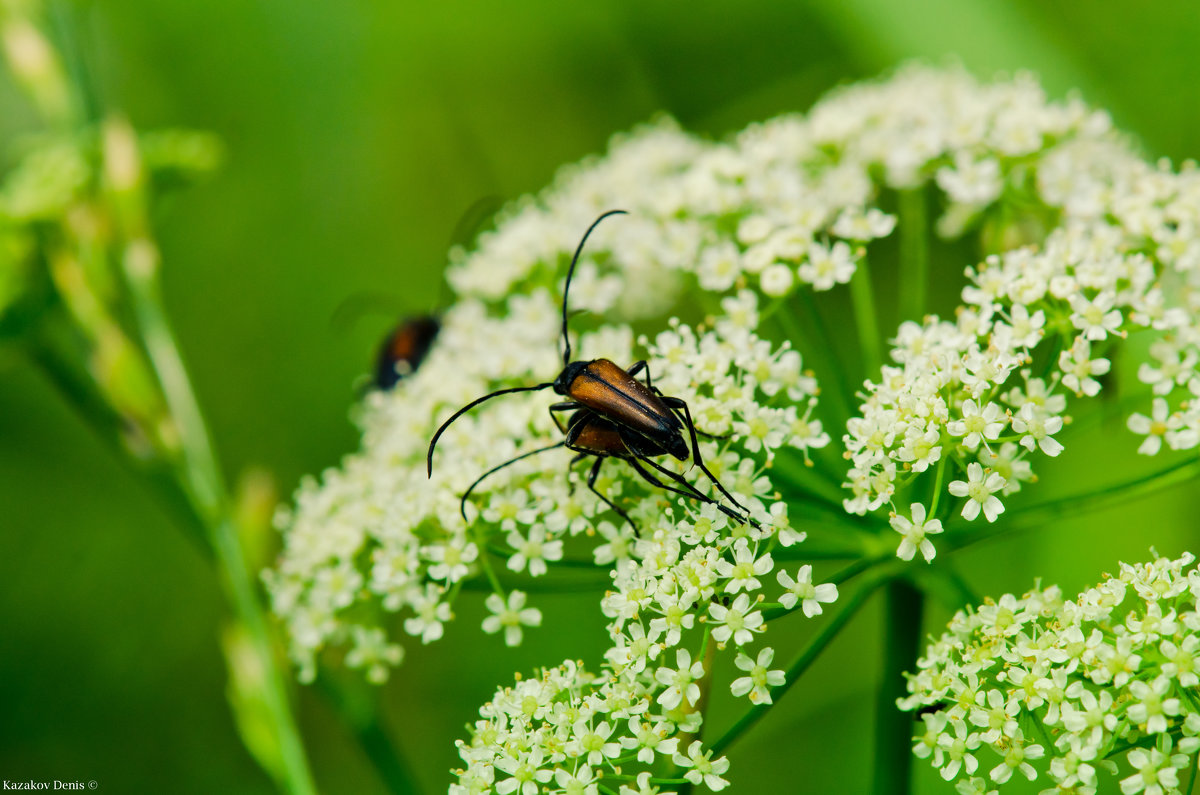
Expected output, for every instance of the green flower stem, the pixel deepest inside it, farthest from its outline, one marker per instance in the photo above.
(960, 534)
(79, 78)
(829, 370)
(490, 572)
(708, 656)
(200, 468)
(542, 585)
(85, 399)
(357, 710)
(914, 254)
(944, 583)
(197, 477)
(801, 663)
(893, 728)
(938, 481)
(801, 488)
(866, 319)
(204, 483)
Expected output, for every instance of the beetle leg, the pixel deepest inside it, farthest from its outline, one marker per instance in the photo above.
(676, 403)
(640, 365)
(571, 465)
(591, 483)
(462, 505)
(554, 416)
(691, 490)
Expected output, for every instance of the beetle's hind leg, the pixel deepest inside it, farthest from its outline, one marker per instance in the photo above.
(677, 404)
(641, 365)
(591, 484)
(689, 490)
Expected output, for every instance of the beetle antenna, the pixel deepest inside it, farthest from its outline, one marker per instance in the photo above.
(462, 505)
(570, 273)
(433, 442)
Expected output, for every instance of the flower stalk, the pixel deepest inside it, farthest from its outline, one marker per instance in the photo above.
(901, 639)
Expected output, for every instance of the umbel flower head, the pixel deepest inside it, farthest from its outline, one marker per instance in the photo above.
(1075, 690)
(726, 249)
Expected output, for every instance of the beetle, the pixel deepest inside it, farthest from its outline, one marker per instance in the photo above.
(409, 341)
(610, 404)
(404, 348)
(591, 435)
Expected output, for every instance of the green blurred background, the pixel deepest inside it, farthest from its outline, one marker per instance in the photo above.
(357, 134)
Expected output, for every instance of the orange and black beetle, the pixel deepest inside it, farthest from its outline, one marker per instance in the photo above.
(404, 348)
(615, 415)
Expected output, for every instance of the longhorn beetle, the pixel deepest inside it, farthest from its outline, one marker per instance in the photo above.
(589, 434)
(404, 348)
(409, 341)
(611, 406)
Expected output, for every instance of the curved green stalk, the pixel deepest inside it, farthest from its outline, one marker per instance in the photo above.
(799, 665)
(202, 478)
(866, 319)
(914, 254)
(961, 534)
(363, 718)
(893, 728)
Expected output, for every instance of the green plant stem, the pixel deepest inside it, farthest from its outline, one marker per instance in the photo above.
(866, 319)
(807, 481)
(893, 728)
(961, 534)
(574, 585)
(708, 654)
(205, 485)
(197, 475)
(799, 665)
(83, 397)
(831, 371)
(359, 713)
(914, 254)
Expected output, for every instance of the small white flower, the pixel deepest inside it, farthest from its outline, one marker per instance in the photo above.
(802, 590)
(915, 532)
(1155, 773)
(533, 550)
(431, 614)
(1155, 427)
(510, 616)
(702, 767)
(1095, 319)
(680, 681)
(1078, 368)
(776, 280)
(978, 423)
(828, 266)
(979, 489)
(759, 679)
(1149, 707)
(745, 569)
(1038, 430)
(737, 621)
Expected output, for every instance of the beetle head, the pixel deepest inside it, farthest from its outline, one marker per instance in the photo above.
(562, 384)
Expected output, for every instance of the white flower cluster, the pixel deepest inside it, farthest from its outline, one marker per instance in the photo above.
(1041, 685)
(988, 391)
(718, 239)
(570, 731)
